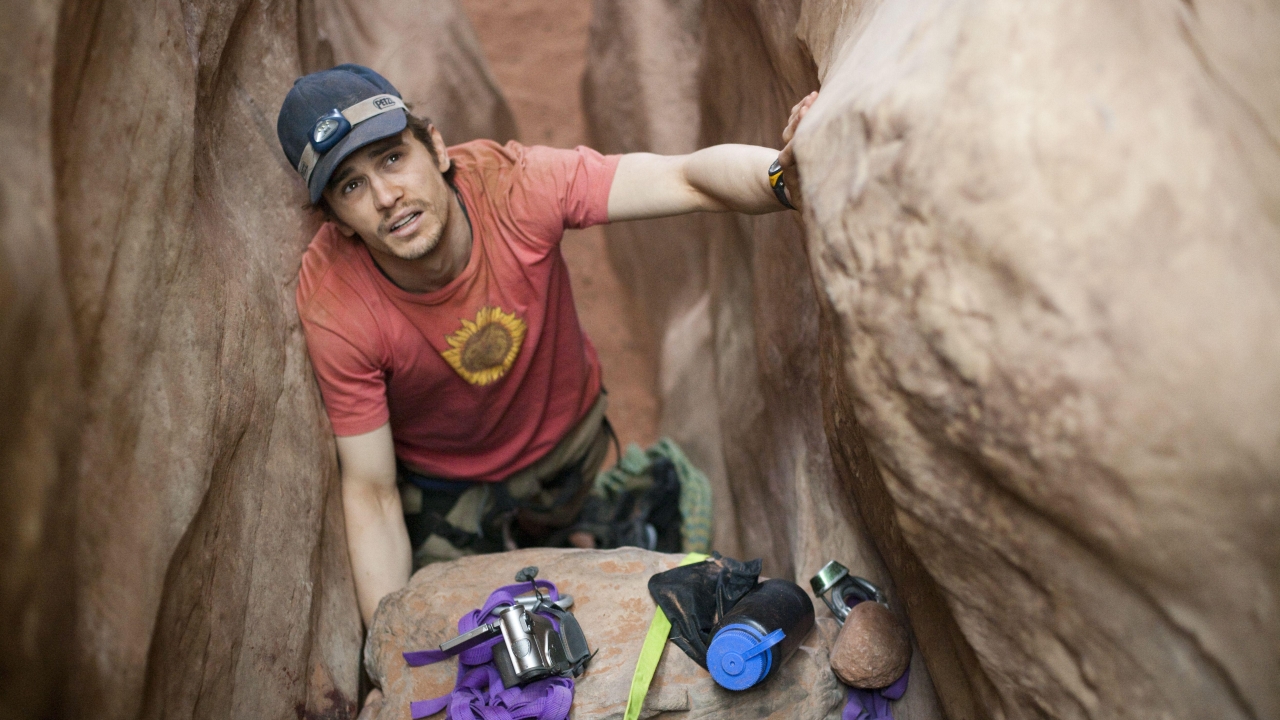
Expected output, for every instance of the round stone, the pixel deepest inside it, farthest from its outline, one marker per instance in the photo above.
(872, 649)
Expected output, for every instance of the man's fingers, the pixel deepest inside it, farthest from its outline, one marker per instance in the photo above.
(787, 158)
(798, 111)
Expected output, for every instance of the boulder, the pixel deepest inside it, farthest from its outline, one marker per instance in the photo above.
(612, 603)
(872, 649)
(1036, 285)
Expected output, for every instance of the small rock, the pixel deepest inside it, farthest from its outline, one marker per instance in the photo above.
(872, 649)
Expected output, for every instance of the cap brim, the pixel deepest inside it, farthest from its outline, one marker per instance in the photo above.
(371, 130)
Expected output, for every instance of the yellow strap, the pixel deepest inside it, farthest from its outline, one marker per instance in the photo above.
(651, 653)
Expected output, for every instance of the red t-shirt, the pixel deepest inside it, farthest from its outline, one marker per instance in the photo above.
(483, 377)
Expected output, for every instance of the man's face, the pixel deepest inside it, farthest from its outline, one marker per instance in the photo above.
(392, 194)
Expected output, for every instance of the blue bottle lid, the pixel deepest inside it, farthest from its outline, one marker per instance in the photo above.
(739, 657)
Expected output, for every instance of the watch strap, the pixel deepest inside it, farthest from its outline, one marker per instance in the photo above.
(779, 185)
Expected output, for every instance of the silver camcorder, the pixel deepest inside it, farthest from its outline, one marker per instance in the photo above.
(531, 647)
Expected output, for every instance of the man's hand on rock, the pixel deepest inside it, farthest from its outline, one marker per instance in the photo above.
(787, 158)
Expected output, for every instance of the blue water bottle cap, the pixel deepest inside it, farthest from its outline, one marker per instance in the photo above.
(739, 657)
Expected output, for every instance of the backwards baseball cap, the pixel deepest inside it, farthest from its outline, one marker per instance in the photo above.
(330, 114)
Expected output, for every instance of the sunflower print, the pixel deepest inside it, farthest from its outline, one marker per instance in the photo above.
(483, 351)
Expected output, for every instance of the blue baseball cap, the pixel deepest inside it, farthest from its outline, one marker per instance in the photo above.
(330, 114)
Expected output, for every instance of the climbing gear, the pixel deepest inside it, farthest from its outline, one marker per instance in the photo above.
(837, 587)
(531, 648)
(452, 519)
(510, 671)
(335, 124)
(874, 704)
(778, 184)
(635, 502)
(759, 633)
(651, 652)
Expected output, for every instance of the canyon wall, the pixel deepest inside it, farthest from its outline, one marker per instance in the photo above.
(1016, 361)
(37, 356)
(171, 529)
(1037, 291)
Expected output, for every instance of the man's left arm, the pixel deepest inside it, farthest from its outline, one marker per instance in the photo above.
(720, 178)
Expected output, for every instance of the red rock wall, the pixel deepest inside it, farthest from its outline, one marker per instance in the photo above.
(429, 51)
(170, 528)
(1037, 287)
(212, 578)
(730, 297)
(37, 357)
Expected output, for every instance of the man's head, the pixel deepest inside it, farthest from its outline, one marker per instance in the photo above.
(376, 170)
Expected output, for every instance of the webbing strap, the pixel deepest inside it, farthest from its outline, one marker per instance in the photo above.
(651, 653)
(479, 693)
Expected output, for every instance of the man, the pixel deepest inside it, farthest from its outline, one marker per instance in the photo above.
(440, 321)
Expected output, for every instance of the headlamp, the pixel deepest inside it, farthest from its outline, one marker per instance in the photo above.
(328, 130)
(334, 125)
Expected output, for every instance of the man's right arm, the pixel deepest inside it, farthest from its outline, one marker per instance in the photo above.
(381, 559)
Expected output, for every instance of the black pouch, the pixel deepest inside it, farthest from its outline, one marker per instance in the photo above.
(695, 597)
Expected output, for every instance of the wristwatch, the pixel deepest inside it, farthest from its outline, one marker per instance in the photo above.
(779, 186)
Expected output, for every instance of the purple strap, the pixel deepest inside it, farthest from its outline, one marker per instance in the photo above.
(478, 693)
(874, 704)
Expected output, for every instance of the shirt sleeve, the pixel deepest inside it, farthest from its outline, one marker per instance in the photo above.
(352, 381)
(556, 189)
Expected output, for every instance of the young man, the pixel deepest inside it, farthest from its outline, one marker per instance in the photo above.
(440, 321)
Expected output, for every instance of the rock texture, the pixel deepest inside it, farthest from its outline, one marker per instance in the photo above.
(37, 356)
(1038, 287)
(612, 603)
(872, 649)
(171, 536)
(429, 51)
(732, 300)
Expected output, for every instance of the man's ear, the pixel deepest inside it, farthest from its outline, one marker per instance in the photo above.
(343, 228)
(443, 163)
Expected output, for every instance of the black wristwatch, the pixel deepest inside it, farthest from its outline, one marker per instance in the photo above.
(779, 186)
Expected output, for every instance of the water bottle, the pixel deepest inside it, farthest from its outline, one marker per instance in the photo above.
(759, 633)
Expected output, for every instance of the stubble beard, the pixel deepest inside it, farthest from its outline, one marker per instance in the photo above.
(422, 244)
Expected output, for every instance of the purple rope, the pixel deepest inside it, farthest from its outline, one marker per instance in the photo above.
(874, 704)
(478, 693)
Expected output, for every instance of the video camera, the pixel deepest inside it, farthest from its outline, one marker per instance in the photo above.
(531, 647)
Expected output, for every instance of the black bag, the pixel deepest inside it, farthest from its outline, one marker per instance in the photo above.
(695, 597)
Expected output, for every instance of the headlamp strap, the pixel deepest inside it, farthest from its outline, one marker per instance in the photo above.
(356, 114)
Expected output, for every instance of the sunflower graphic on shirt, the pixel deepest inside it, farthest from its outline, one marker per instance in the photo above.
(484, 350)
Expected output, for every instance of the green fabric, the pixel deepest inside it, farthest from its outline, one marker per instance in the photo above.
(632, 473)
(651, 652)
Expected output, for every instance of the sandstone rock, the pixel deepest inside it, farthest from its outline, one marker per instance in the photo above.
(612, 603)
(429, 51)
(733, 304)
(1057, 343)
(1041, 319)
(872, 649)
(38, 390)
(171, 532)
